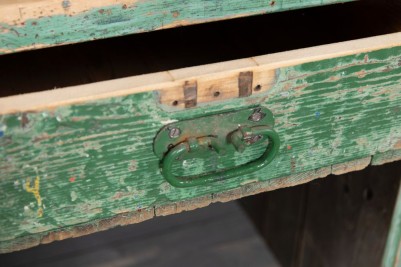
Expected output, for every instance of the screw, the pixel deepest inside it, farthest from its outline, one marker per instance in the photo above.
(257, 115)
(174, 132)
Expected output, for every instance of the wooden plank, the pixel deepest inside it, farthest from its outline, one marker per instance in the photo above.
(338, 221)
(83, 167)
(348, 217)
(26, 25)
(170, 83)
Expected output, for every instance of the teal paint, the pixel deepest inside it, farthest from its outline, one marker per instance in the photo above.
(143, 16)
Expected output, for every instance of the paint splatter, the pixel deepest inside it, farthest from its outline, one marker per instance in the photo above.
(317, 114)
(66, 4)
(3, 128)
(74, 196)
(72, 179)
(35, 191)
(133, 165)
(289, 147)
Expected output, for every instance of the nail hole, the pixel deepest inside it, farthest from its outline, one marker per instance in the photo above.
(368, 194)
(216, 94)
(257, 87)
(175, 103)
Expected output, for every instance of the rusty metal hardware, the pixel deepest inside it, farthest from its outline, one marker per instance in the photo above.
(214, 134)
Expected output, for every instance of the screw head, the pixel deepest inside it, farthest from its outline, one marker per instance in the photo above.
(257, 115)
(174, 132)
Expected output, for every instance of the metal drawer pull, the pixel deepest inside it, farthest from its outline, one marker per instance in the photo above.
(256, 129)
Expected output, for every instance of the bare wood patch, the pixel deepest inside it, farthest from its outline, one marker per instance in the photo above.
(386, 157)
(355, 165)
(245, 81)
(190, 94)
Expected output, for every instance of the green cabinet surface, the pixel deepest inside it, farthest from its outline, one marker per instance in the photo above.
(27, 25)
(80, 168)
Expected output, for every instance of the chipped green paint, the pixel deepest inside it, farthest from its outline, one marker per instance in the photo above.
(202, 138)
(141, 16)
(95, 160)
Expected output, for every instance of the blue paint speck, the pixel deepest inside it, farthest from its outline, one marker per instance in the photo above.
(1, 133)
(66, 4)
(317, 114)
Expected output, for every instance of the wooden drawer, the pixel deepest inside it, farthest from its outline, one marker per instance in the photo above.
(80, 159)
(32, 24)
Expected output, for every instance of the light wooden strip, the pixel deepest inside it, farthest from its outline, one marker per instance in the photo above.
(17, 11)
(165, 80)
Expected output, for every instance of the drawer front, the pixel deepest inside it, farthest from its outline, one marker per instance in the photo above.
(37, 24)
(75, 168)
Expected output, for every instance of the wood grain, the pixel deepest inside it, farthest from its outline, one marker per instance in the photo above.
(210, 78)
(26, 25)
(338, 221)
(96, 166)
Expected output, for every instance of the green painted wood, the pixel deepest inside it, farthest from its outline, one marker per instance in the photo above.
(122, 19)
(392, 252)
(78, 164)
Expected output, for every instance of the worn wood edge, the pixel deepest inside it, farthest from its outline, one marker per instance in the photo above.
(188, 205)
(355, 165)
(386, 157)
(170, 80)
(20, 13)
(14, 12)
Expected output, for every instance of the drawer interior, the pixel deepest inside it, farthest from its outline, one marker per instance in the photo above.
(182, 47)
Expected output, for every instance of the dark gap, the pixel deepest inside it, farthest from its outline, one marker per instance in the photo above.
(194, 45)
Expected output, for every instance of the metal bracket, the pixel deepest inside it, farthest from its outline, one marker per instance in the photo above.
(215, 133)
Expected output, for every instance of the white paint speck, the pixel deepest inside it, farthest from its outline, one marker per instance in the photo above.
(168, 121)
(3, 127)
(285, 94)
(74, 196)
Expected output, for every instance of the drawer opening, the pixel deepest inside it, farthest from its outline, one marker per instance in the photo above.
(346, 220)
(182, 47)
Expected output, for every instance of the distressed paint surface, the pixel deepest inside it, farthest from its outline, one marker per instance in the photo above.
(126, 18)
(95, 160)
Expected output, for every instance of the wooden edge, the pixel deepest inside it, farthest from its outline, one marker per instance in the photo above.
(200, 202)
(171, 80)
(187, 205)
(386, 157)
(392, 252)
(17, 11)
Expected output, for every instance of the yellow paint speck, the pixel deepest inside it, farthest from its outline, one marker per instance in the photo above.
(35, 191)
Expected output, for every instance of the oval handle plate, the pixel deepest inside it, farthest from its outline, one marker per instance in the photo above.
(213, 134)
